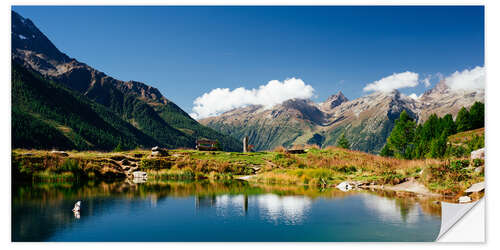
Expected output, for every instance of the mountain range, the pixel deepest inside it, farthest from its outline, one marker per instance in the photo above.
(59, 102)
(366, 121)
(80, 107)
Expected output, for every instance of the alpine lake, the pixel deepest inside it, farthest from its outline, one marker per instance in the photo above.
(208, 211)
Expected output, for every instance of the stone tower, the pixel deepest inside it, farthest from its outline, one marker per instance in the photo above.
(245, 144)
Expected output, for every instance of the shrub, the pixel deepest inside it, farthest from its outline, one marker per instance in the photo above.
(477, 162)
(458, 165)
(347, 169)
(391, 177)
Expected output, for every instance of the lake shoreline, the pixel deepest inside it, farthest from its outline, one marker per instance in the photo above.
(316, 167)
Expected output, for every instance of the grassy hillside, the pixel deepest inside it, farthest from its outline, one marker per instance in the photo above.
(463, 143)
(463, 138)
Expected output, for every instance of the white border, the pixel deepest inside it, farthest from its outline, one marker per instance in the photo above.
(493, 134)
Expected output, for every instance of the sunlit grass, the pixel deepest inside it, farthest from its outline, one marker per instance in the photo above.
(316, 167)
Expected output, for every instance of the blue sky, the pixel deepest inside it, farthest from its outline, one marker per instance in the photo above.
(188, 51)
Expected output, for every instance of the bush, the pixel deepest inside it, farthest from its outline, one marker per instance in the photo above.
(458, 165)
(118, 148)
(391, 177)
(477, 162)
(346, 169)
(457, 151)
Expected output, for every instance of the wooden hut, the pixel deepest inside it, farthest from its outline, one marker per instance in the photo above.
(207, 145)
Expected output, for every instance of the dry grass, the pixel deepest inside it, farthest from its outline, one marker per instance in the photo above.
(316, 167)
(465, 136)
(279, 149)
(333, 165)
(311, 146)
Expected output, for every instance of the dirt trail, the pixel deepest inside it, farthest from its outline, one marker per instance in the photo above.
(408, 186)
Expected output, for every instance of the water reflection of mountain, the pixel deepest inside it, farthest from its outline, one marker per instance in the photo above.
(39, 211)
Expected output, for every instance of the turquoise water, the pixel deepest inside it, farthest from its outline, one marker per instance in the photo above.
(203, 211)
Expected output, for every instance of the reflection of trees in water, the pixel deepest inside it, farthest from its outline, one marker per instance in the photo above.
(37, 222)
(205, 201)
(405, 201)
(39, 219)
(41, 209)
(408, 206)
(239, 201)
(404, 208)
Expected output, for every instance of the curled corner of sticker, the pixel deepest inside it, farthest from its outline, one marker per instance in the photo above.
(451, 213)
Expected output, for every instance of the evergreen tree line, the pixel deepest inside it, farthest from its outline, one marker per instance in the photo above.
(430, 139)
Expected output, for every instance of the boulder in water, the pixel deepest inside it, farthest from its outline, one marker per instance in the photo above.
(140, 174)
(344, 186)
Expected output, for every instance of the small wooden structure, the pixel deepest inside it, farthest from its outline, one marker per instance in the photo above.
(295, 151)
(206, 145)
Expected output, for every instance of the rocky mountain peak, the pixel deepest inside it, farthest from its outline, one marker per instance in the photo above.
(440, 88)
(28, 40)
(334, 101)
(303, 108)
(32, 49)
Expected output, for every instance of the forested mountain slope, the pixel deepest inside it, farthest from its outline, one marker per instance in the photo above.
(135, 103)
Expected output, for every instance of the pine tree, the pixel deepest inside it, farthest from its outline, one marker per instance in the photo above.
(477, 115)
(463, 120)
(401, 139)
(118, 147)
(448, 125)
(386, 151)
(438, 146)
(431, 128)
(343, 142)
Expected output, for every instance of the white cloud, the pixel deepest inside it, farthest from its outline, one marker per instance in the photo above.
(220, 100)
(427, 81)
(394, 81)
(467, 79)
